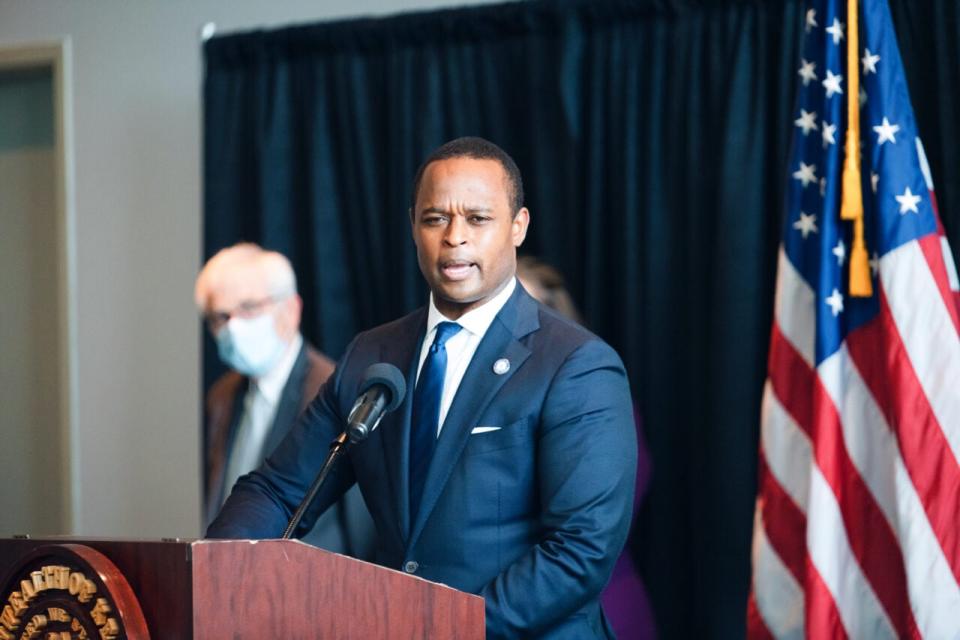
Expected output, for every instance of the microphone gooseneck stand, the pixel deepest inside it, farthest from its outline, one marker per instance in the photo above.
(381, 391)
(337, 447)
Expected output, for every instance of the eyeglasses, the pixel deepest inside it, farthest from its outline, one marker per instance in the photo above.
(246, 309)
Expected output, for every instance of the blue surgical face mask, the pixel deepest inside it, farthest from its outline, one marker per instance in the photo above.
(250, 345)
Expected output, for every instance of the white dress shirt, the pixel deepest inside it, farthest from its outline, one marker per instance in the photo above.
(259, 411)
(462, 346)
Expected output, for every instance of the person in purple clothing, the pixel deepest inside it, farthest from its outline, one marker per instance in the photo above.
(624, 600)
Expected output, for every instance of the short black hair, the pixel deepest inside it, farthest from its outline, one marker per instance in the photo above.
(478, 149)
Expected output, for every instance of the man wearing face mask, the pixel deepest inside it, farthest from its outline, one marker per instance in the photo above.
(250, 303)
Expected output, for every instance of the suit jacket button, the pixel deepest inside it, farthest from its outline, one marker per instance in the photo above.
(410, 566)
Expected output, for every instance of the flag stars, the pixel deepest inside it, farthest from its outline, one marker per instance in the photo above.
(811, 19)
(863, 97)
(869, 61)
(835, 302)
(832, 83)
(807, 72)
(875, 264)
(886, 131)
(807, 121)
(806, 174)
(841, 252)
(874, 181)
(908, 201)
(806, 225)
(823, 186)
(836, 30)
(827, 133)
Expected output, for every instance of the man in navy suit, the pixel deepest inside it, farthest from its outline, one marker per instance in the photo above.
(508, 471)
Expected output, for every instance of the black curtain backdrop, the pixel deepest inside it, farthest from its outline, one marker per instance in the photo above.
(652, 136)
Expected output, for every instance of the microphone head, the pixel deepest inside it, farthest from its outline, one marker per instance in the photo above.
(388, 376)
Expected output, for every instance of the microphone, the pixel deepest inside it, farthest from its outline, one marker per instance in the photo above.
(381, 391)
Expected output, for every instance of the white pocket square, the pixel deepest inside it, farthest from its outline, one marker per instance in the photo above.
(484, 430)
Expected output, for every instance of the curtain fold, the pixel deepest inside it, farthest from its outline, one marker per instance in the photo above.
(652, 136)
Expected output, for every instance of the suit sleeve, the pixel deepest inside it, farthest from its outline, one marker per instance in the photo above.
(587, 452)
(263, 501)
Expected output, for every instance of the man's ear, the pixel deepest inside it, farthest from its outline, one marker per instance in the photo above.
(519, 226)
(293, 311)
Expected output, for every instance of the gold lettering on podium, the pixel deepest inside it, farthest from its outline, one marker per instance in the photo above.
(110, 630)
(58, 615)
(75, 582)
(17, 602)
(8, 619)
(35, 626)
(28, 590)
(86, 591)
(61, 577)
(100, 611)
(49, 577)
(39, 589)
(78, 629)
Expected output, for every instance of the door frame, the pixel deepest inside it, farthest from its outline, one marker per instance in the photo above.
(56, 56)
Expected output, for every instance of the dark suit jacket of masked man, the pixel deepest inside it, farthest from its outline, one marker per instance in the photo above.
(530, 516)
(344, 528)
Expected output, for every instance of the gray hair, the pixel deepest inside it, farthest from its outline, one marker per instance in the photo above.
(245, 257)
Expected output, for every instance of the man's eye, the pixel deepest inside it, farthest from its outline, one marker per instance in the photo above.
(478, 219)
(433, 220)
(217, 318)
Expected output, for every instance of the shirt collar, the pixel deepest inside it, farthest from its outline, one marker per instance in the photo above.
(478, 320)
(271, 384)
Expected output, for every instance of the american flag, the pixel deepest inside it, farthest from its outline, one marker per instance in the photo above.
(857, 521)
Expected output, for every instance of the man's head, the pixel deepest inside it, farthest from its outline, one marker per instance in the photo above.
(478, 149)
(545, 283)
(468, 219)
(249, 299)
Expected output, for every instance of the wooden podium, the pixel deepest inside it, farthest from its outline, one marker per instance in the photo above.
(75, 588)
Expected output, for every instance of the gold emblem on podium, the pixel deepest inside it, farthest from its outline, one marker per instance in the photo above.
(66, 592)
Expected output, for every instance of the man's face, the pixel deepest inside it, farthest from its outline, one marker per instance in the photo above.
(245, 294)
(465, 232)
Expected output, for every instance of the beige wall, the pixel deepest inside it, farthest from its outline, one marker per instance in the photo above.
(135, 159)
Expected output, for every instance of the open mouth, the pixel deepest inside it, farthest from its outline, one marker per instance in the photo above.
(457, 269)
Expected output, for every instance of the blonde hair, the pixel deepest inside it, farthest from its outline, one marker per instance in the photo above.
(247, 260)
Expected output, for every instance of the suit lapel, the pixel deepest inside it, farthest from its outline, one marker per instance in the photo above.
(221, 432)
(236, 415)
(477, 389)
(402, 352)
(290, 401)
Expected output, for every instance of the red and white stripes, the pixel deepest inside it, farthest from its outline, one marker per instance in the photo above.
(857, 525)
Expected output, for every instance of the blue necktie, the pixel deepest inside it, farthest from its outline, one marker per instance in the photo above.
(426, 412)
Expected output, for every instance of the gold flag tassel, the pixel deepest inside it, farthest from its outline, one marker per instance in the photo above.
(851, 206)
